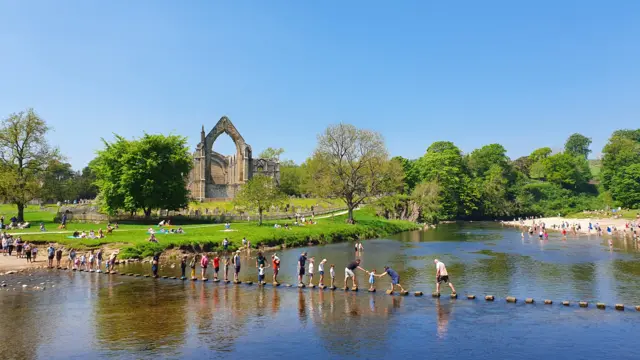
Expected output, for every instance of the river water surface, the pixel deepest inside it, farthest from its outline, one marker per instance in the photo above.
(83, 315)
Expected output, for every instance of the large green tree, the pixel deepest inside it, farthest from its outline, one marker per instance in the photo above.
(569, 171)
(353, 164)
(259, 194)
(147, 173)
(24, 157)
(59, 182)
(622, 149)
(578, 145)
(481, 160)
(625, 186)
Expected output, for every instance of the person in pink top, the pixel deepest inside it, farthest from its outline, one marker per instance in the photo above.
(204, 262)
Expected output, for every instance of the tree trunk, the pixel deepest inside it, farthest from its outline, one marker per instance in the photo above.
(147, 212)
(20, 212)
(350, 214)
(260, 213)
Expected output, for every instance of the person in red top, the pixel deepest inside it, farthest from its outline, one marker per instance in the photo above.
(275, 261)
(216, 267)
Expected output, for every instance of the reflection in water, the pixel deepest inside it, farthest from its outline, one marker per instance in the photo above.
(443, 311)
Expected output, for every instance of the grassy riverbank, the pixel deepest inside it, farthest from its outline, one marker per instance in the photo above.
(132, 239)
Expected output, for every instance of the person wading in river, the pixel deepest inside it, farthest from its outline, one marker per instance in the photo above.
(442, 276)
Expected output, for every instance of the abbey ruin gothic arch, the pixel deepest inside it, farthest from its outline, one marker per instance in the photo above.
(219, 177)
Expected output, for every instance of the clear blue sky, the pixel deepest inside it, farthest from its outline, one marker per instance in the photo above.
(473, 72)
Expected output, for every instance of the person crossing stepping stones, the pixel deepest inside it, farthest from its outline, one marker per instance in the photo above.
(348, 273)
(442, 276)
(395, 278)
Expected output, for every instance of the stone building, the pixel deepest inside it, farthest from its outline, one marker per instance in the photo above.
(219, 177)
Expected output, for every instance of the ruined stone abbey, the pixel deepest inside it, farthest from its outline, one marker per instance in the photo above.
(219, 177)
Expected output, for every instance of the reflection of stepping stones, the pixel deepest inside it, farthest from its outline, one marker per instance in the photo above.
(322, 287)
(81, 270)
(183, 278)
(372, 290)
(205, 279)
(332, 287)
(248, 282)
(227, 281)
(237, 282)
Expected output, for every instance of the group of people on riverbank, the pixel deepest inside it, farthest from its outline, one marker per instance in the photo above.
(626, 230)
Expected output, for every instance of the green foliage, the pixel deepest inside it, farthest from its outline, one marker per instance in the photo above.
(24, 158)
(622, 149)
(625, 186)
(566, 170)
(411, 176)
(352, 164)
(539, 154)
(271, 153)
(147, 173)
(292, 179)
(260, 193)
(481, 160)
(427, 197)
(578, 145)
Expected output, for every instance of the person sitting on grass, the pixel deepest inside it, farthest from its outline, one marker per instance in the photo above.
(153, 239)
(180, 231)
(42, 229)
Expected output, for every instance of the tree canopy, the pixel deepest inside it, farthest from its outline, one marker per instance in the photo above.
(578, 145)
(147, 173)
(260, 193)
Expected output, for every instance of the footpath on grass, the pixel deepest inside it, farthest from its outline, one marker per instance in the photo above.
(131, 241)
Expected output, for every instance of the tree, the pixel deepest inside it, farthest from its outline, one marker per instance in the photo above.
(271, 153)
(411, 176)
(58, 183)
(625, 186)
(260, 193)
(24, 157)
(578, 145)
(147, 173)
(541, 153)
(622, 149)
(566, 170)
(427, 196)
(292, 179)
(481, 160)
(353, 164)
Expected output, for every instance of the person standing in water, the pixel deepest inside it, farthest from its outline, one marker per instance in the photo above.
(236, 264)
(301, 263)
(154, 264)
(183, 267)
(275, 262)
(204, 263)
(442, 276)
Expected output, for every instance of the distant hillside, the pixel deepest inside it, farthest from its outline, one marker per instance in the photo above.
(595, 166)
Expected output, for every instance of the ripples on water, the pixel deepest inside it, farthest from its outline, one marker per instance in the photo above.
(82, 315)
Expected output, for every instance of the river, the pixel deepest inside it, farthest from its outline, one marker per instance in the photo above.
(83, 315)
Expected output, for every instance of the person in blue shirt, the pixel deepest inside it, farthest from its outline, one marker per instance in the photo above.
(51, 252)
(395, 278)
(301, 262)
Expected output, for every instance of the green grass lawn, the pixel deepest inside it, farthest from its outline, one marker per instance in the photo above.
(304, 203)
(208, 237)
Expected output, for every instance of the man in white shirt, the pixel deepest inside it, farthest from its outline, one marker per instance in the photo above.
(442, 276)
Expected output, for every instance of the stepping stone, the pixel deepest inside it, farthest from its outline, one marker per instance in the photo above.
(511, 299)
(165, 277)
(489, 298)
(404, 293)
(287, 285)
(417, 293)
(91, 271)
(311, 286)
(389, 292)
(620, 307)
(332, 288)
(237, 282)
(548, 302)
(528, 301)
(276, 284)
(137, 275)
(372, 290)
(354, 289)
(638, 308)
(601, 306)
(301, 285)
(248, 282)
(345, 288)
(583, 304)
(565, 303)
(205, 279)
(146, 275)
(471, 297)
(216, 280)
(194, 279)
(435, 294)
(174, 278)
(454, 296)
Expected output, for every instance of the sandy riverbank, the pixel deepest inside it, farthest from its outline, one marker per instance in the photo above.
(584, 223)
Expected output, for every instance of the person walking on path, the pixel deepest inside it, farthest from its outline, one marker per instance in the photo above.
(302, 260)
(348, 273)
(275, 262)
(395, 278)
(442, 276)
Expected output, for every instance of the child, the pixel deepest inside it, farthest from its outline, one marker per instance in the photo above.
(108, 265)
(372, 275)
(321, 271)
(192, 265)
(92, 260)
(226, 268)
(183, 267)
(83, 261)
(332, 273)
(204, 262)
(34, 253)
(261, 274)
(216, 267)
(310, 273)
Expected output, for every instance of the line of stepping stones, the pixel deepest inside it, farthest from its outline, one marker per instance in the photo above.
(489, 298)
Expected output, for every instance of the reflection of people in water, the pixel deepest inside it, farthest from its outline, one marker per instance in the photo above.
(443, 313)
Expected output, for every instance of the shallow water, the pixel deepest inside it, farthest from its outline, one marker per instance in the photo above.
(82, 315)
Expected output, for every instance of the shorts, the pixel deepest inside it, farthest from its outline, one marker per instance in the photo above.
(216, 269)
(301, 271)
(321, 272)
(260, 278)
(50, 257)
(443, 278)
(237, 269)
(275, 271)
(371, 281)
(395, 280)
(204, 267)
(348, 273)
